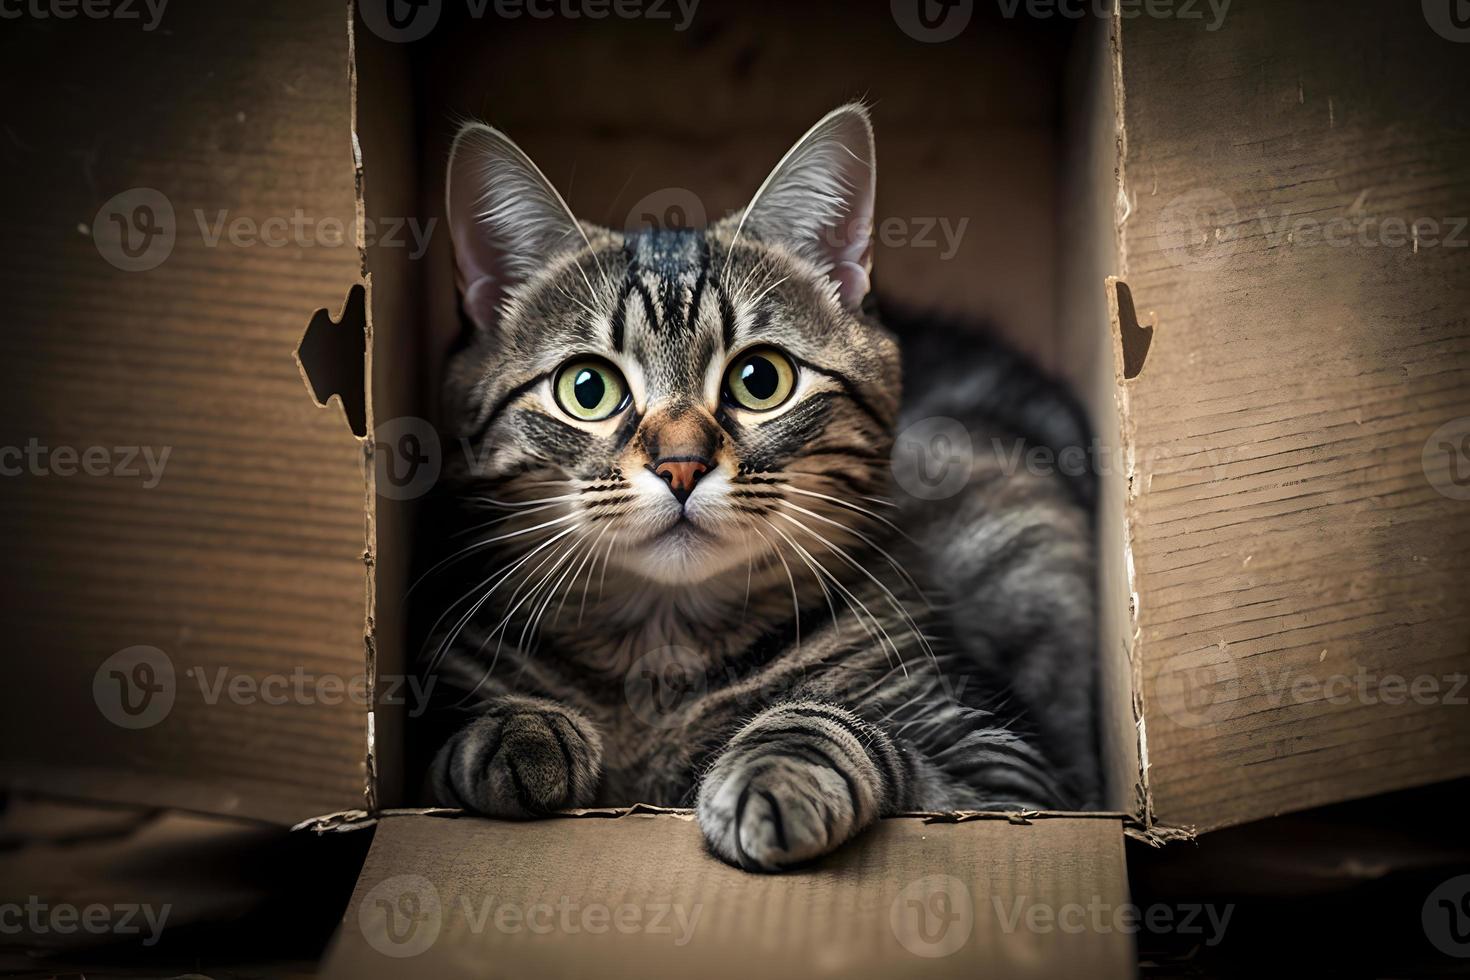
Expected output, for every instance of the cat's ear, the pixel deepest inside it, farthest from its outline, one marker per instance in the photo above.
(819, 201)
(505, 219)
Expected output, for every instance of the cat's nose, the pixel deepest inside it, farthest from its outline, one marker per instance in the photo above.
(681, 473)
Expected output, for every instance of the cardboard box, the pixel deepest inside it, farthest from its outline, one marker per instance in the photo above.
(1277, 526)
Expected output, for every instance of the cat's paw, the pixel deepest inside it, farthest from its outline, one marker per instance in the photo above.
(524, 760)
(792, 786)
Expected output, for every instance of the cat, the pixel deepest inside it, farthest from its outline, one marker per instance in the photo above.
(683, 572)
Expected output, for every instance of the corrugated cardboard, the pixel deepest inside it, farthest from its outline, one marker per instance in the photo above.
(638, 896)
(1294, 568)
(245, 559)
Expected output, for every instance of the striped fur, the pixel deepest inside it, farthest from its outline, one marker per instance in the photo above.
(798, 649)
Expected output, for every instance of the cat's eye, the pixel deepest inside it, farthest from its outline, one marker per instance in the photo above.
(590, 389)
(760, 379)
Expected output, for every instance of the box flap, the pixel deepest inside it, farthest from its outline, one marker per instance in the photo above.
(183, 582)
(1298, 432)
(639, 896)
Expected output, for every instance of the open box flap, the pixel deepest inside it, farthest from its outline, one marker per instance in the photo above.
(158, 606)
(1300, 553)
(639, 896)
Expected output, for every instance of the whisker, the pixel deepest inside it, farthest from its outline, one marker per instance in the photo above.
(478, 545)
(459, 626)
(850, 506)
(892, 599)
(850, 598)
(795, 604)
(897, 567)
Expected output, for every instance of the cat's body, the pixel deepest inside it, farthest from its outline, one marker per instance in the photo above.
(688, 580)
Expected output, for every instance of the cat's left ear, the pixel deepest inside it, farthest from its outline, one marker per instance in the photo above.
(506, 220)
(819, 201)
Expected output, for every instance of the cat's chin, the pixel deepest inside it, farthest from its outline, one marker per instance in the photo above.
(683, 555)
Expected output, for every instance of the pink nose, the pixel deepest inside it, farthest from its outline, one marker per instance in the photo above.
(681, 473)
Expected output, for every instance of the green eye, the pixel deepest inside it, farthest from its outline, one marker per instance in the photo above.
(760, 379)
(590, 390)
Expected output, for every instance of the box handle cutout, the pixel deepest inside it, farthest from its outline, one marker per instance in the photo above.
(332, 357)
(1135, 338)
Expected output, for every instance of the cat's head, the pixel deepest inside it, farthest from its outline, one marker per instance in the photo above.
(692, 400)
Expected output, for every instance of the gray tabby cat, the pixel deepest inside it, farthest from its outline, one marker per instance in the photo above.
(689, 585)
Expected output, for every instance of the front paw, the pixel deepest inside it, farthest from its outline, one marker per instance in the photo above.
(792, 786)
(524, 760)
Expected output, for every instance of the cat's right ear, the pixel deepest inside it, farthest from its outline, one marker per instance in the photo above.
(505, 219)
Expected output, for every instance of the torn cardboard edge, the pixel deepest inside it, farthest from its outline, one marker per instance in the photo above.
(1116, 290)
(353, 820)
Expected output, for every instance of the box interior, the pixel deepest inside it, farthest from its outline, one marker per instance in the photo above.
(1005, 136)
